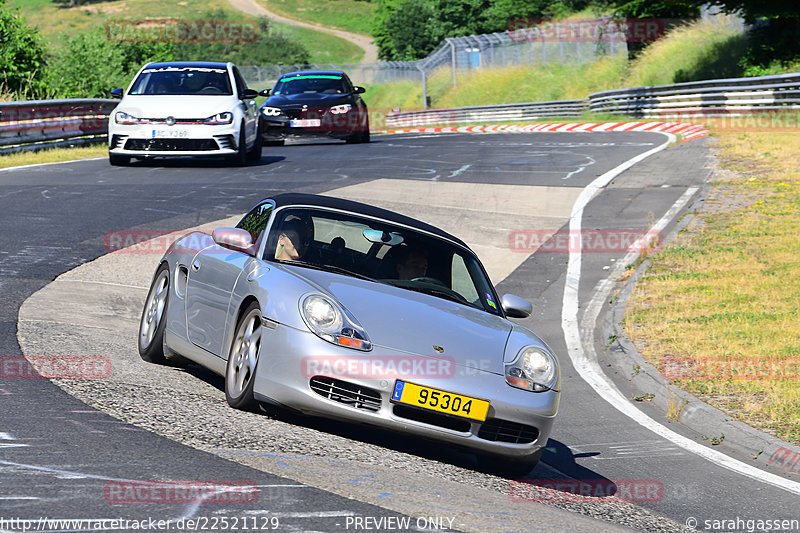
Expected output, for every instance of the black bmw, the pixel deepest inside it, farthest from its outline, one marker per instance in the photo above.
(314, 103)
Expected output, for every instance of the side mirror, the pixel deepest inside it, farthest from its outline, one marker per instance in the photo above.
(235, 239)
(516, 307)
(265, 92)
(249, 94)
(117, 93)
(358, 90)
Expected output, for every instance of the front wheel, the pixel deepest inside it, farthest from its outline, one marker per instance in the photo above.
(239, 159)
(118, 160)
(503, 466)
(254, 154)
(240, 372)
(152, 323)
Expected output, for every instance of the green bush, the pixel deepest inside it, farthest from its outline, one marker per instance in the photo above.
(22, 57)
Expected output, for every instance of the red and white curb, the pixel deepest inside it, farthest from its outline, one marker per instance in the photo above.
(686, 130)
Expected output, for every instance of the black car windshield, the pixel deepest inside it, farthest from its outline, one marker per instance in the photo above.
(185, 81)
(310, 83)
(382, 252)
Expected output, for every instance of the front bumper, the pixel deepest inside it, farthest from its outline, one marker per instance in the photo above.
(518, 422)
(341, 126)
(178, 140)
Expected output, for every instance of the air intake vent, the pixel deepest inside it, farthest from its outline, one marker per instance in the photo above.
(497, 430)
(117, 141)
(434, 419)
(226, 142)
(171, 145)
(345, 392)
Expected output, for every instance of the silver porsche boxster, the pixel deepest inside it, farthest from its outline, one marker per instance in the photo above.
(339, 309)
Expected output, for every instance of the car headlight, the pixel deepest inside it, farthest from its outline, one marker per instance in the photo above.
(271, 111)
(120, 117)
(344, 108)
(219, 118)
(535, 369)
(333, 323)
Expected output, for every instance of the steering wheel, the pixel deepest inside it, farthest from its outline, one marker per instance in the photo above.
(211, 90)
(426, 279)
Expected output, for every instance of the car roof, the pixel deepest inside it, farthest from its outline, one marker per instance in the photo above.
(313, 72)
(316, 200)
(201, 64)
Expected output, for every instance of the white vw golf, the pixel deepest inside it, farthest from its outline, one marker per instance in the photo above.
(185, 109)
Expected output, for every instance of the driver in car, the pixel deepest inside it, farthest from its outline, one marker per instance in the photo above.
(411, 263)
(292, 241)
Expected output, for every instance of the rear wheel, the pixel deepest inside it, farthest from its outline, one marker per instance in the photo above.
(240, 372)
(118, 160)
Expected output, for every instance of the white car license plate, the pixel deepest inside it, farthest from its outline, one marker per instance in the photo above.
(305, 123)
(170, 134)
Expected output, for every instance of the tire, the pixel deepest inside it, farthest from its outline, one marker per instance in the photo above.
(505, 467)
(240, 371)
(152, 323)
(239, 159)
(365, 136)
(118, 160)
(254, 154)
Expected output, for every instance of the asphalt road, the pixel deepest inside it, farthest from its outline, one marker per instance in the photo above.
(57, 455)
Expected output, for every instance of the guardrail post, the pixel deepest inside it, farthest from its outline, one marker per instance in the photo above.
(424, 88)
(452, 58)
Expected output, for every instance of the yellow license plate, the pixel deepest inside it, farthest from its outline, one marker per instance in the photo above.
(439, 400)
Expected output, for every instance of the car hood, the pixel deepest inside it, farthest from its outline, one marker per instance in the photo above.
(408, 321)
(176, 106)
(310, 99)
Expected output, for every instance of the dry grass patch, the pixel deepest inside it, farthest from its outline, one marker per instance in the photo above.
(53, 155)
(718, 309)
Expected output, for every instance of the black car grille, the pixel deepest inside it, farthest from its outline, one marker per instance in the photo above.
(497, 430)
(346, 392)
(171, 145)
(293, 113)
(434, 419)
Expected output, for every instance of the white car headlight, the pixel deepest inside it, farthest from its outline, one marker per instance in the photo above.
(271, 111)
(333, 323)
(219, 118)
(120, 117)
(535, 369)
(344, 108)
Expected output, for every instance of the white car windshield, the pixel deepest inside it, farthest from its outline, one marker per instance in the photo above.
(382, 252)
(185, 81)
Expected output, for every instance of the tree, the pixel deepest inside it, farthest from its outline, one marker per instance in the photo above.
(22, 55)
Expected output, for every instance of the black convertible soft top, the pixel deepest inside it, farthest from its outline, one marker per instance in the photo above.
(288, 199)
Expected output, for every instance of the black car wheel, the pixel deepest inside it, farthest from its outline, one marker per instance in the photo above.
(118, 160)
(254, 154)
(240, 157)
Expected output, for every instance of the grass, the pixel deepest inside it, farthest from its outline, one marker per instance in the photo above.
(53, 155)
(699, 50)
(349, 15)
(723, 298)
(56, 20)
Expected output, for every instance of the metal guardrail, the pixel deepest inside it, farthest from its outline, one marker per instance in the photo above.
(497, 113)
(32, 125)
(703, 98)
(37, 124)
(731, 97)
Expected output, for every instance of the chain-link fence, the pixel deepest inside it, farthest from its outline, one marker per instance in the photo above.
(532, 43)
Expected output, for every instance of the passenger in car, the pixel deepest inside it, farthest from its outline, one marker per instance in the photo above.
(412, 262)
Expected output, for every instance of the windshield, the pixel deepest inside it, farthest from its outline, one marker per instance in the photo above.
(311, 83)
(182, 81)
(384, 253)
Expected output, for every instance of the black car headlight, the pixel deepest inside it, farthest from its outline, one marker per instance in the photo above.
(534, 369)
(331, 322)
(219, 118)
(271, 111)
(339, 109)
(120, 117)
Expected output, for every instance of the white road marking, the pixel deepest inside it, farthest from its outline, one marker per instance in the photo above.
(580, 345)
